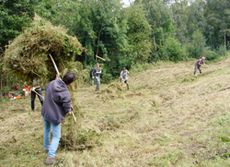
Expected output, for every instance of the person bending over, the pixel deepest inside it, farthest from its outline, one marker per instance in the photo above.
(55, 107)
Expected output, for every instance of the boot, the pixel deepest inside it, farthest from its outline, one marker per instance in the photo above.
(49, 161)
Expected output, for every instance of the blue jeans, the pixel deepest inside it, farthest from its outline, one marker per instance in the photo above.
(98, 82)
(52, 146)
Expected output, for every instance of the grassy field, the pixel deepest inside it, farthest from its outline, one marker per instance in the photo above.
(168, 118)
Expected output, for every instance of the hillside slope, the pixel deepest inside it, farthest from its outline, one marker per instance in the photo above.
(168, 118)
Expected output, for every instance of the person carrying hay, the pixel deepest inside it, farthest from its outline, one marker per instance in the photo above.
(124, 77)
(36, 90)
(56, 105)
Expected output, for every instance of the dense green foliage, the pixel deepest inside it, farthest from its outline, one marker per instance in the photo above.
(14, 16)
(144, 32)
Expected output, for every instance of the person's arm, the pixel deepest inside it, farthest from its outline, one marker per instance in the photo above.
(121, 74)
(64, 99)
(93, 73)
(98, 71)
(203, 62)
(66, 102)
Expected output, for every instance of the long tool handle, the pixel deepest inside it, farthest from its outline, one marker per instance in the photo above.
(55, 66)
(74, 118)
(38, 94)
(100, 57)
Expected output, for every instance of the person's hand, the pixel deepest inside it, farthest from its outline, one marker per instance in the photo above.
(58, 76)
(71, 108)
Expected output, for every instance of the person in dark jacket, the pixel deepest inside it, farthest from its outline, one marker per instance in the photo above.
(55, 107)
(36, 90)
(96, 73)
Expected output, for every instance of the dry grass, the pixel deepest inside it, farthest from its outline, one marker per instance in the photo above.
(28, 55)
(167, 118)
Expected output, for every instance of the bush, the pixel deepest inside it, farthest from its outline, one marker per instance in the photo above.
(209, 54)
(141, 67)
(197, 45)
(222, 51)
(106, 77)
(194, 51)
(172, 50)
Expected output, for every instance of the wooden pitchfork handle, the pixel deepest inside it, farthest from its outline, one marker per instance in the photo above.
(38, 94)
(55, 66)
(74, 118)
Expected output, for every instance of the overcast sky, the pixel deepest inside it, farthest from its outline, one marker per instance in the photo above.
(127, 2)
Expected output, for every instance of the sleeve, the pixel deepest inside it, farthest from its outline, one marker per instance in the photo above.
(66, 102)
(93, 72)
(64, 99)
(99, 71)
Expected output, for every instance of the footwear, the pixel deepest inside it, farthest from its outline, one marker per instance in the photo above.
(49, 161)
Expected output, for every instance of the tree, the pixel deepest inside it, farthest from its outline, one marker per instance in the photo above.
(217, 14)
(196, 19)
(14, 16)
(172, 50)
(180, 17)
(159, 17)
(60, 12)
(139, 32)
(197, 45)
(99, 25)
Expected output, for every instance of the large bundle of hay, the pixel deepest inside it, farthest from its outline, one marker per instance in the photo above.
(28, 55)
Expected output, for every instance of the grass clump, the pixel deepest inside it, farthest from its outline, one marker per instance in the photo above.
(84, 139)
(167, 159)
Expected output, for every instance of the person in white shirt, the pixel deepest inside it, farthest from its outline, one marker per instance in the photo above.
(36, 91)
(96, 75)
(124, 77)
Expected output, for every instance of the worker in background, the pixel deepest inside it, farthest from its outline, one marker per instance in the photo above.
(36, 90)
(96, 75)
(124, 77)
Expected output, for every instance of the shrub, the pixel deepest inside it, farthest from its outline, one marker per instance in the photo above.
(222, 51)
(106, 77)
(197, 45)
(209, 54)
(172, 50)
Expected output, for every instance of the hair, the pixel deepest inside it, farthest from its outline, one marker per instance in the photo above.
(69, 77)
